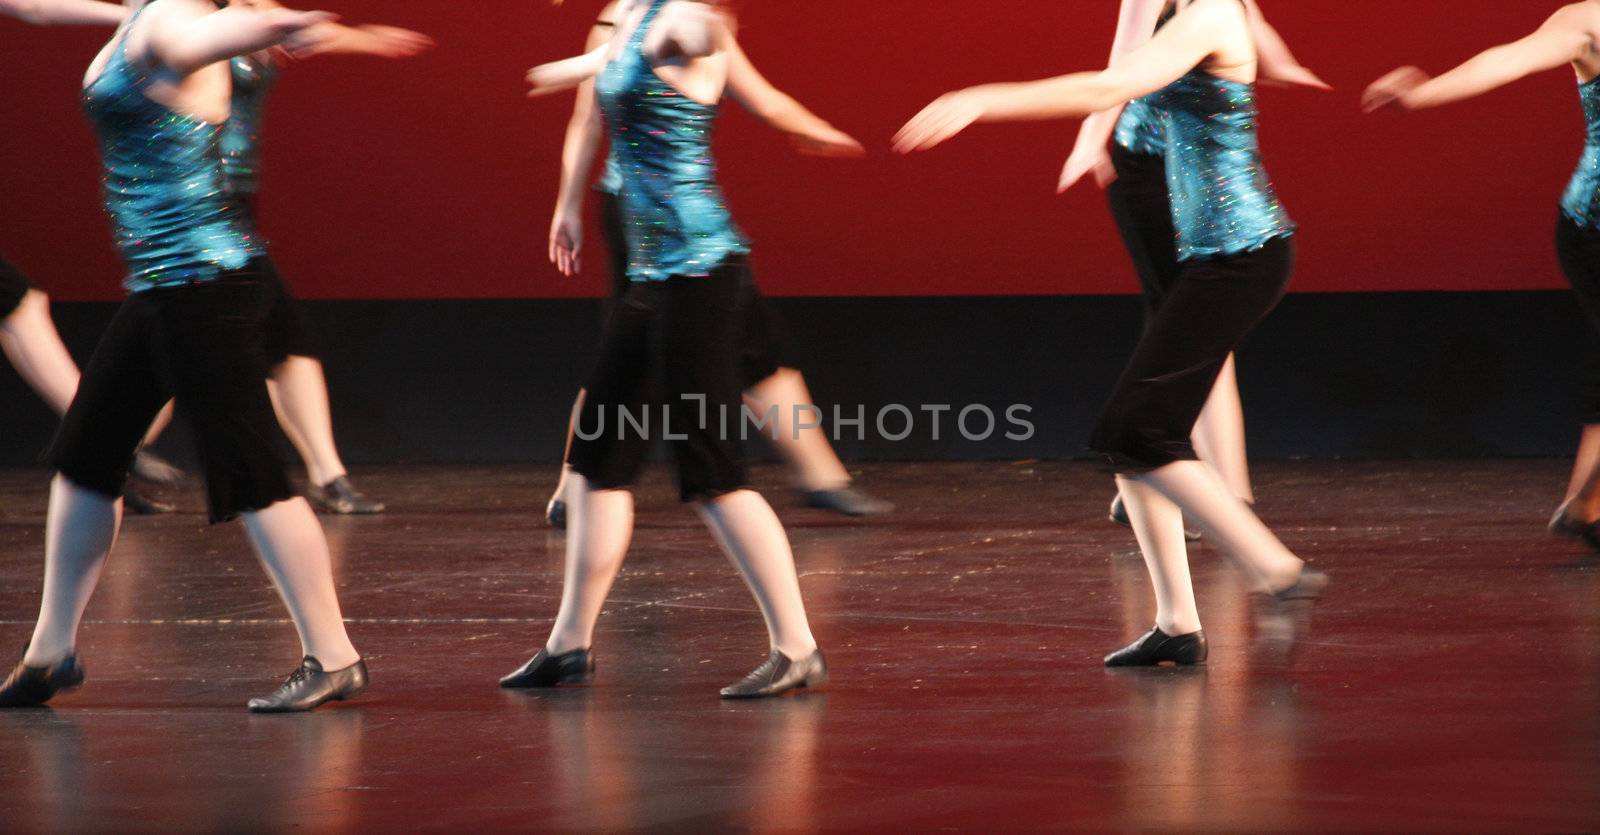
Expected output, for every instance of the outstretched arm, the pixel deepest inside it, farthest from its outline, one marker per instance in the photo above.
(366, 39)
(64, 12)
(1277, 60)
(1564, 38)
(577, 160)
(778, 110)
(184, 37)
(567, 74)
(1192, 37)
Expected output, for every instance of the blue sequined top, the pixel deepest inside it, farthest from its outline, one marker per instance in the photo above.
(1140, 128)
(253, 78)
(1222, 201)
(1581, 202)
(611, 181)
(676, 220)
(164, 186)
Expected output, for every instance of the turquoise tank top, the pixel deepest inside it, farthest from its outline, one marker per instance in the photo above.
(1581, 203)
(164, 188)
(1140, 128)
(610, 181)
(676, 219)
(253, 78)
(1222, 201)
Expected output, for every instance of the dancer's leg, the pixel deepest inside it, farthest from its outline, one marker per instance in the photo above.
(803, 444)
(119, 394)
(1147, 427)
(697, 350)
(1158, 524)
(753, 538)
(1219, 437)
(559, 494)
(599, 529)
(299, 392)
(606, 458)
(292, 548)
(1227, 522)
(80, 529)
(31, 343)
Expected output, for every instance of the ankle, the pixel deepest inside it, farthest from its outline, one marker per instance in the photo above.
(335, 658)
(561, 645)
(799, 649)
(1178, 626)
(44, 655)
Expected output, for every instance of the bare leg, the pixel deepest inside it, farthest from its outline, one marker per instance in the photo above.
(31, 343)
(1584, 470)
(754, 540)
(300, 397)
(1226, 522)
(1158, 523)
(80, 529)
(1219, 433)
(599, 528)
(292, 548)
(816, 465)
(558, 495)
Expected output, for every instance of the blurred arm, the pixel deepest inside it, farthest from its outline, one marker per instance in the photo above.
(1563, 39)
(185, 36)
(64, 12)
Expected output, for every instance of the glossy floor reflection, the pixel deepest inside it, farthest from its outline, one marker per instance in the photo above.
(1452, 682)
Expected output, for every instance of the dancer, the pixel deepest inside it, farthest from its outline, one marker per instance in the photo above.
(770, 385)
(1133, 173)
(298, 386)
(1235, 254)
(1567, 39)
(191, 330)
(660, 83)
(28, 337)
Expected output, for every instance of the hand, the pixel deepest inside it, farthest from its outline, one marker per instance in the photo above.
(1392, 89)
(1080, 164)
(949, 115)
(299, 30)
(566, 243)
(392, 41)
(828, 142)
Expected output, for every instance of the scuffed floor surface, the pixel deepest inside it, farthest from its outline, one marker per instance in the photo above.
(1451, 683)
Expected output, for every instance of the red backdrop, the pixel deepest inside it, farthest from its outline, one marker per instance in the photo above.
(434, 177)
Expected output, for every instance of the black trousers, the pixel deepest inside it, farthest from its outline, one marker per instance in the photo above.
(1142, 209)
(13, 286)
(285, 327)
(203, 345)
(763, 338)
(1211, 307)
(1578, 247)
(669, 370)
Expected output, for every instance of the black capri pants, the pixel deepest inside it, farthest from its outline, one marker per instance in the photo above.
(1578, 247)
(1208, 311)
(204, 346)
(763, 338)
(285, 326)
(13, 287)
(1142, 209)
(665, 340)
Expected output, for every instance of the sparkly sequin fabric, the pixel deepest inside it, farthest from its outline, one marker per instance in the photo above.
(611, 180)
(1140, 130)
(676, 219)
(164, 186)
(253, 78)
(1581, 203)
(1222, 201)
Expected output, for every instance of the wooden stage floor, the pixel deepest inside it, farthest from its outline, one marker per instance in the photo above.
(1451, 683)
